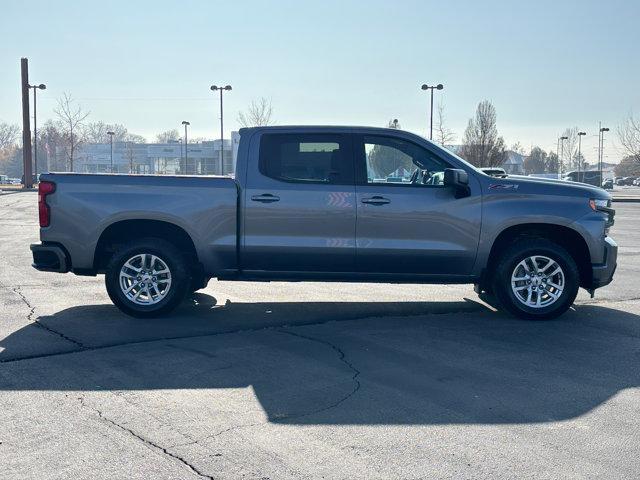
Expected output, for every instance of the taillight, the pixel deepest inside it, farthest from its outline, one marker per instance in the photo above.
(44, 212)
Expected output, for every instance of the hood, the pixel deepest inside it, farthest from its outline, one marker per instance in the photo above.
(548, 186)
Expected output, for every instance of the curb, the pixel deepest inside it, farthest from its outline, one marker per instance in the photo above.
(626, 200)
(21, 190)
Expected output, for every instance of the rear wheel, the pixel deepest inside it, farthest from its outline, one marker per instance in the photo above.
(536, 279)
(147, 278)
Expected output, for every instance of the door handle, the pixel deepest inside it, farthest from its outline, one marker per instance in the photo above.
(377, 200)
(265, 198)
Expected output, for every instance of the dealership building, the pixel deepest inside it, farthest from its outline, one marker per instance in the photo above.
(201, 158)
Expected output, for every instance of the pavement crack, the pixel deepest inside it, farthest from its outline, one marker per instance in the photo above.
(84, 348)
(343, 358)
(149, 443)
(30, 317)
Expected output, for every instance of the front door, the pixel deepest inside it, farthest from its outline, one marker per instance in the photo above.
(407, 220)
(299, 204)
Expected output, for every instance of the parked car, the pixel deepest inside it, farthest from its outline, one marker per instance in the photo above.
(495, 172)
(625, 181)
(305, 205)
(636, 182)
(608, 184)
(591, 177)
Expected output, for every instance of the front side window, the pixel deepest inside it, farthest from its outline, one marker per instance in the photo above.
(394, 161)
(306, 158)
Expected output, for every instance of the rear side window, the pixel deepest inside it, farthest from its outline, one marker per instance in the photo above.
(306, 158)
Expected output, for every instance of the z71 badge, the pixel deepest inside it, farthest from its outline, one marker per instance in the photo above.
(503, 186)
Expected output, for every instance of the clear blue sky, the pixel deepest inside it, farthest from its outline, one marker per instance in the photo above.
(148, 64)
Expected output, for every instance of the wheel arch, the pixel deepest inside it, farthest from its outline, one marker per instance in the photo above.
(568, 238)
(122, 231)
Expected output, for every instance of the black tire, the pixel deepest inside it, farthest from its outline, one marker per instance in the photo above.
(513, 255)
(170, 255)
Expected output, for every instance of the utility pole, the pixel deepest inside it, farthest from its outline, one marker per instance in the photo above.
(215, 88)
(26, 127)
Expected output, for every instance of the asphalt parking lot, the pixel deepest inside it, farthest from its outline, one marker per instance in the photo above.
(311, 380)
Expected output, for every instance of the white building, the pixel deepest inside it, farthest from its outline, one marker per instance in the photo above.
(158, 158)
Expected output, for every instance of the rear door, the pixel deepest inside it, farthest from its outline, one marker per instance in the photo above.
(299, 203)
(408, 222)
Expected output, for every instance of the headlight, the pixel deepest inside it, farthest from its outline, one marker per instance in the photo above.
(597, 204)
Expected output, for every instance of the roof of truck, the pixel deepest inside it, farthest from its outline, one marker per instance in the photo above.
(324, 127)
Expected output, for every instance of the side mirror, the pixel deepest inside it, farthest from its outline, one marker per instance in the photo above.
(457, 179)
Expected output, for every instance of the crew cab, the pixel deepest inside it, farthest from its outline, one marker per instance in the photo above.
(349, 204)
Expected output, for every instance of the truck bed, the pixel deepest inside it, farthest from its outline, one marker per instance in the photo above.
(84, 205)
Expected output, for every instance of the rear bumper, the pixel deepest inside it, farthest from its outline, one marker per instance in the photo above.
(602, 274)
(49, 258)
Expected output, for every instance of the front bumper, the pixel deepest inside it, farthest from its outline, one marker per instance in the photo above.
(49, 258)
(602, 273)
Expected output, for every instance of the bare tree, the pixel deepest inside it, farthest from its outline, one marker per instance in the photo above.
(629, 136)
(518, 148)
(258, 114)
(50, 145)
(569, 149)
(444, 136)
(96, 132)
(9, 134)
(168, 136)
(71, 118)
(536, 161)
(130, 154)
(481, 144)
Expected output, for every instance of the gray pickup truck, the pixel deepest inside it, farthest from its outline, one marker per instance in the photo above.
(349, 204)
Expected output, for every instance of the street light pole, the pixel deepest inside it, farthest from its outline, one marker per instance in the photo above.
(186, 154)
(558, 155)
(601, 156)
(42, 86)
(111, 134)
(562, 139)
(427, 87)
(580, 135)
(216, 88)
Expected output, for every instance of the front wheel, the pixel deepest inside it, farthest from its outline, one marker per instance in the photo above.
(536, 279)
(147, 278)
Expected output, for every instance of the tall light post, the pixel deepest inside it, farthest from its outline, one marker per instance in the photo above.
(42, 86)
(427, 87)
(580, 135)
(220, 89)
(186, 155)
(111, 134)
(601, 149)
(562, 139)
